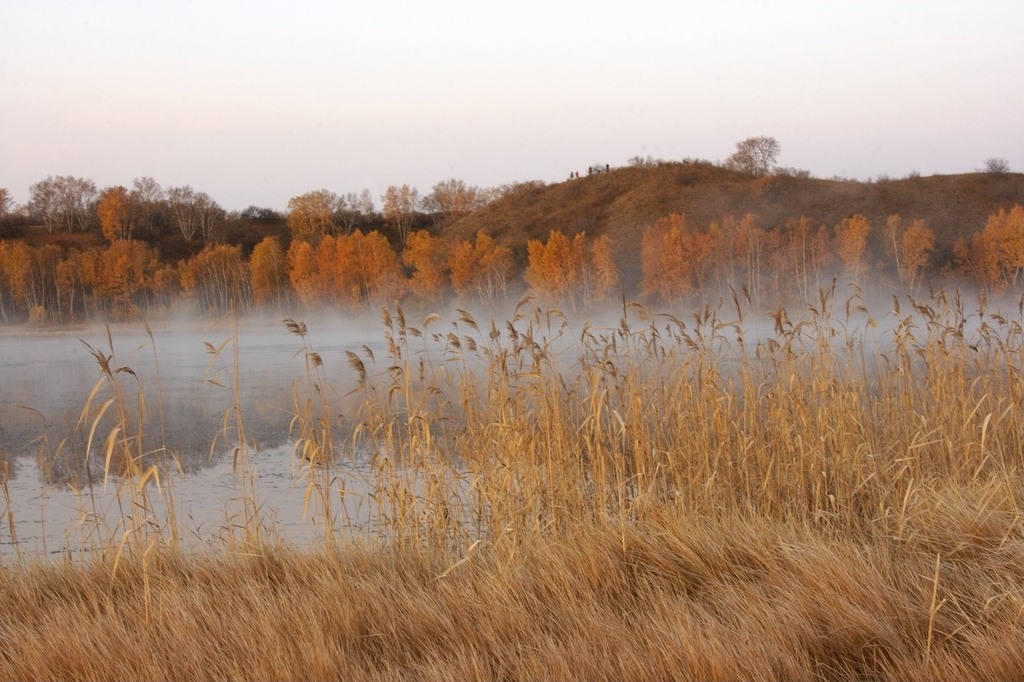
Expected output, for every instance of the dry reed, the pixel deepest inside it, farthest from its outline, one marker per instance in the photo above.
(836, 497)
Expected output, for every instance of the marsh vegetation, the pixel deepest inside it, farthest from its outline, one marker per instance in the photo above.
(831, 491)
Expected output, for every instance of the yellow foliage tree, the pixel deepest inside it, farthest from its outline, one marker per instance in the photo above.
(268, 271)
(125, 276)
(851, 243)
(219, 278)
(916, 244)
(311, 215)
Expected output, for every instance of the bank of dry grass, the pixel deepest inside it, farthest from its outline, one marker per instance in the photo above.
(838, 499)
(668, 598)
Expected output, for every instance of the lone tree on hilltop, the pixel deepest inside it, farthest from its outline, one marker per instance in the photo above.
(997, 166)
(755, 156)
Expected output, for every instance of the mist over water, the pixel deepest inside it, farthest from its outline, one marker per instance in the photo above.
(179, 387)
(183, 378)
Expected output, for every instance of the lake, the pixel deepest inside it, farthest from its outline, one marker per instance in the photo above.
(182, 380)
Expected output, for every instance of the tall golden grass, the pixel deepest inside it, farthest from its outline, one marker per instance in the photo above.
(836, 496)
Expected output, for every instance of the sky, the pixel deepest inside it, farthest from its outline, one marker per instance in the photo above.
(256, 102)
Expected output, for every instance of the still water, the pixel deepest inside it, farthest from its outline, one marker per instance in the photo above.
(181, 378)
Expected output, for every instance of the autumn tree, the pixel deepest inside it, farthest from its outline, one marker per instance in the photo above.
(217, 278)
(355, 209)
(754, 156)
(338, 278)
(76, 277)
(426, 256)
(729, 256)
(556, 268)
(148, 198)
(355, 269)
(894, 227)
(665, 270)
(383, 280)
(911, 247)
(302, 271)
(997, 251)
(124, 276)
(917, 242)
(194, 212)
(675, 260)
(62, 202)
(5, 203)
(602, 273)
(5, 285)
(801, 251)
(851, 238)
(481, 268)
(453, 198)
(311, 215)
(400, 205)
(116, 212)
(166, 284)
(268, 271)
(16, 260)
(211, 214)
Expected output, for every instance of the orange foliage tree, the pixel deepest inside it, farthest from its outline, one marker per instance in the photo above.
(382, 279)
(16, 261)
(29, 276)
(116, 213)
(674, 259)
(997, 252)
(351, 269)
(77, 274)
(302, 271)
(425, 255)
(556, 268)
(916, 245)
(124, 276)
(481, 268)
(166, 284)
(602, 275)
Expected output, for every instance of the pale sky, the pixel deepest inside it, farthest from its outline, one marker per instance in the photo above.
(255, 102)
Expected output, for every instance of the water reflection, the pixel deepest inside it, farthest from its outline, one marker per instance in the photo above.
(54, 520)
(181, 383)
(179, 388)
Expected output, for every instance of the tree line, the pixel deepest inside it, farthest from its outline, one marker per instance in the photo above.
(339, 250)
(679, 263)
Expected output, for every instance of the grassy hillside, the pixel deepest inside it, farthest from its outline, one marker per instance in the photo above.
(623, 202)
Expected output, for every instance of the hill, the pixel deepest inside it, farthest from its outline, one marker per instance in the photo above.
(623, 201)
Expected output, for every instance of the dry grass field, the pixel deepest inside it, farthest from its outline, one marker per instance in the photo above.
(825, 493)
